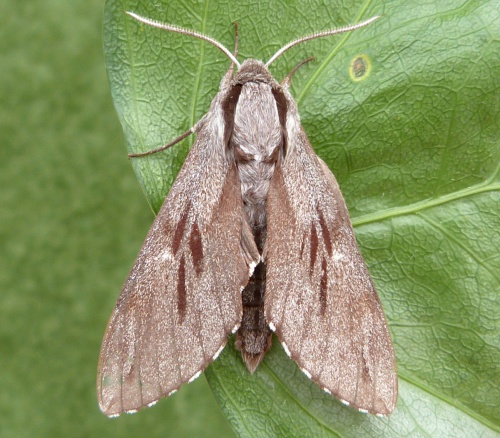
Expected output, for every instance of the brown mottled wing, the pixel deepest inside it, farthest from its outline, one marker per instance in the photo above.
(320, 298)
(183, 295)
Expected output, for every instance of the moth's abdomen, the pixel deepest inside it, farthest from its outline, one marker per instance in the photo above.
(256, 140)
(254, 337)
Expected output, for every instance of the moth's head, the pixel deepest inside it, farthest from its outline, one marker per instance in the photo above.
(253, 70)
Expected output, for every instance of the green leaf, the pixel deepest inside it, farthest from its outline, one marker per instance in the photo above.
(414, 143)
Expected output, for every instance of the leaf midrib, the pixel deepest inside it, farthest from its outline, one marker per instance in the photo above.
(297, 401)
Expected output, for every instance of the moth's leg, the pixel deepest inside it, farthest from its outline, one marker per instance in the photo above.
(172, 143)
(285, 83)
(230, 72)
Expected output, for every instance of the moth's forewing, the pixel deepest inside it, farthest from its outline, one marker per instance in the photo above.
(183, 295)
(320, 298)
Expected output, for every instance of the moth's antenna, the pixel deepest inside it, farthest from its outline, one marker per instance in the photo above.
(184, 31)
(320, 35)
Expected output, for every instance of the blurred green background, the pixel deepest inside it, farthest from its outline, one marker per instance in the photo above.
(72, 221)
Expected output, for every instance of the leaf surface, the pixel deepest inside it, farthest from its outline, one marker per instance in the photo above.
(406, 113)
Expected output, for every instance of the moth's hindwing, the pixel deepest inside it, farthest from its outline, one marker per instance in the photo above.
(183, 295)
(320, 298)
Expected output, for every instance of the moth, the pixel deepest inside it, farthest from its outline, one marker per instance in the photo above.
(253, 238)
